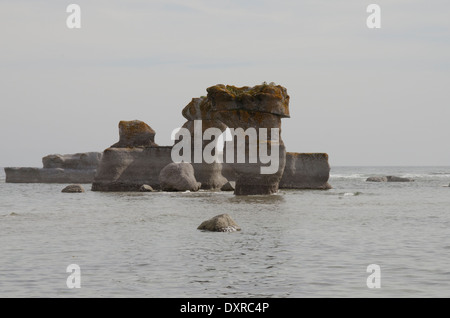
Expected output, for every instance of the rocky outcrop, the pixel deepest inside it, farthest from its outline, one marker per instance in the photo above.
(134, 134)
(73, 188)
(220, 223)
(178, 177)
(243, 109)
(389, 179)
(78, 161)
(70, 168)
(306, 171)
(132, 162)
(208, 174)
(127, 169)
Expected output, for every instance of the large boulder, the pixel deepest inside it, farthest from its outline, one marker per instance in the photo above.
(220, 223)
(135, 133)
(178, 177)
(306, 171)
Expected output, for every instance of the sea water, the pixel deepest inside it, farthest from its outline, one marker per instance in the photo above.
(297, 243)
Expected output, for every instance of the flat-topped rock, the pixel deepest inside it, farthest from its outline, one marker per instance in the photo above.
(86, 160)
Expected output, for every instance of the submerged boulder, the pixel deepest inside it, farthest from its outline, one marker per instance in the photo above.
(220, 223)
(377, 179)
(73, 188)
(178, 177)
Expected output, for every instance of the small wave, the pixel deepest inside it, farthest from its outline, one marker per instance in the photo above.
(349, 176)
(347, 194)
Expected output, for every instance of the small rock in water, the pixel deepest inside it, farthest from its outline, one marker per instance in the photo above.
(73, 188)
(220, 223)
(146, 188)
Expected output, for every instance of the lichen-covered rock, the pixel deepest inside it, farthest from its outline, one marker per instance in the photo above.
(73, 188)
(306, 171)
(220, 223)
(178, 177)
(135, 133)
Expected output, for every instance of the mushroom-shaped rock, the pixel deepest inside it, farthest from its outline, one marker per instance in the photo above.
(73, 188)
(135, 133)
(178, 177)
(220, 223)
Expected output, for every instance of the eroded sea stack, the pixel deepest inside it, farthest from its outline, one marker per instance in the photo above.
(253, 114)
(133, 161)
(260, 109)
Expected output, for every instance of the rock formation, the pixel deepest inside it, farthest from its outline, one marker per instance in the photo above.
(220, 223)
(73, 188)
(134, 134)
(208, 174)
(306, 171)
(132, 162)
(136, 160)
(178, 177)
(70, 168)
(389, 179)
(255, 108)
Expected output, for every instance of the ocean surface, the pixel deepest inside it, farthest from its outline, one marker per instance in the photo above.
(297, 243)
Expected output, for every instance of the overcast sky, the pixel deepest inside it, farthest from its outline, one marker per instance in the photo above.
(364, 96)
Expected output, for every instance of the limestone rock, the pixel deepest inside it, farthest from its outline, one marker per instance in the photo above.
(146, 188)
(73, 188)
(135, 133)
(389, 179)
(377, 179)
(261, 106)
(220, 223)
(47, 175)
(306, 171)
(178, 177)
(87, 160)
(229, 186)
(127, 169)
